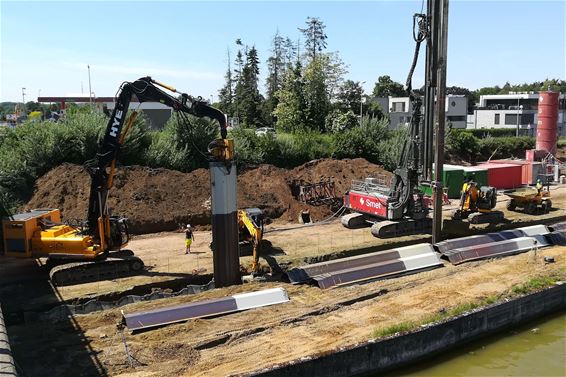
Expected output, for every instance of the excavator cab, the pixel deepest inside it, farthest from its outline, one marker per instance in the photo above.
(477, 205)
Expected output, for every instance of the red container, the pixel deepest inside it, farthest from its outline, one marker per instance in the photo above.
(547, 125)
(526, 169)
(504, 176)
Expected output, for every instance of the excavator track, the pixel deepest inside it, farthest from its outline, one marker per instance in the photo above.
(84, 272)
(492, 217)
(408, 227)
(354, 220)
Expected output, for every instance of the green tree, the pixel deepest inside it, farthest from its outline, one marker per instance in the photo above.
(248, 99)
(316, 93)
(291, 108)
(349, 96)
(226, 94)
(385, 87)
(276, 65)
(315, 38)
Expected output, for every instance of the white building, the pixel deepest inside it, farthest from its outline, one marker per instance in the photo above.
(513, 111)
(399, 110)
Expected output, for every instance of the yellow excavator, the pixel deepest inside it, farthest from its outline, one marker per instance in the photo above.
(250, 228)
(93, 250)
(477, 205)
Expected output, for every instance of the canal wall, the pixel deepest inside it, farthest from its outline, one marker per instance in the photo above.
(391, 353)
(7, 365)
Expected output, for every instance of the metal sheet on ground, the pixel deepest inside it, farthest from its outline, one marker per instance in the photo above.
(370, 266)
(496, 249)
(559, 226)
(557, 237)
(449, 247)
(180, 313)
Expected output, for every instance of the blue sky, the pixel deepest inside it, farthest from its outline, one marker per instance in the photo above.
(46, 46)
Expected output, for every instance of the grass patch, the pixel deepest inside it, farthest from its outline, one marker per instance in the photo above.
(394, 329)
(533, 285)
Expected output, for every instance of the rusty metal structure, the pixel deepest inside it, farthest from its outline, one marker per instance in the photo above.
(322, 192)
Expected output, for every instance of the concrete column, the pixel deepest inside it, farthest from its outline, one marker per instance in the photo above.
(226, 257)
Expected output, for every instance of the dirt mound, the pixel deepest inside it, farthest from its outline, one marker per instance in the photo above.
(160, 199)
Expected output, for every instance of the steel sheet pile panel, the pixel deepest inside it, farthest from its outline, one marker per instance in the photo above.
(369, 266)
(207, 308)
(496, 249)
(559, 226)
(558, 237)
(454, 246)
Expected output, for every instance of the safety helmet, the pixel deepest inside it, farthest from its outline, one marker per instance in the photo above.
(188, 225)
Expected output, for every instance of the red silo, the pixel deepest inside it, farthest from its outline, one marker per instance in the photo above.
(547, 125)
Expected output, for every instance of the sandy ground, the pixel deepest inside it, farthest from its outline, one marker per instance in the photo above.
(314, 321)
(290, 245)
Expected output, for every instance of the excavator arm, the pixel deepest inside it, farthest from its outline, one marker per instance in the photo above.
(250, 224)
(102, 167)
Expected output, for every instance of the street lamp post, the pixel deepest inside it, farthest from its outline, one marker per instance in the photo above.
(89, 88)
(24, 100)
(361, 98)
(519, 107)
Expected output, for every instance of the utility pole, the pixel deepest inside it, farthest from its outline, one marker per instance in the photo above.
(24, 100)
(361, 99)
(440, 50)
(89, 88)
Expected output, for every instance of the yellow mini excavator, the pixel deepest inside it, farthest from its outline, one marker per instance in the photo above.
(477, 205)
(93, 250)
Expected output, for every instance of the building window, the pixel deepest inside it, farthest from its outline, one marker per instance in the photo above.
(457, 118)
(527, 118)
(510, 119)
(496, 119)
(398, 107)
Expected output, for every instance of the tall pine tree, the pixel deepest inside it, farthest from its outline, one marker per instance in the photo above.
(247, 97)
(226, 94)
(315, 38)
(276, 65)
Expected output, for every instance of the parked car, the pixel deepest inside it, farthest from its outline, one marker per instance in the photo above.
(265, 131)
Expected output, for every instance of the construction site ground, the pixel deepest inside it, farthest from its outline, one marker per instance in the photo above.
(314, 322)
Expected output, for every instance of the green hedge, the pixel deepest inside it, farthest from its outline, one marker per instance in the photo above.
(465, 145)
(494, 132)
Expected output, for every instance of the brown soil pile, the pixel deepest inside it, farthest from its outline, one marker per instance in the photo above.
(157, 200)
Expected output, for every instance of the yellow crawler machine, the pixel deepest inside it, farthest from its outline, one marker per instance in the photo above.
(250, 226)
(477, 205)
(41, 234)
(95, 249)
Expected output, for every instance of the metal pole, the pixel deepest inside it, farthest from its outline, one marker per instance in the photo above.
(89, 88)
(517, 133)
(441, 103)
(24, 101)
(361, 98)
